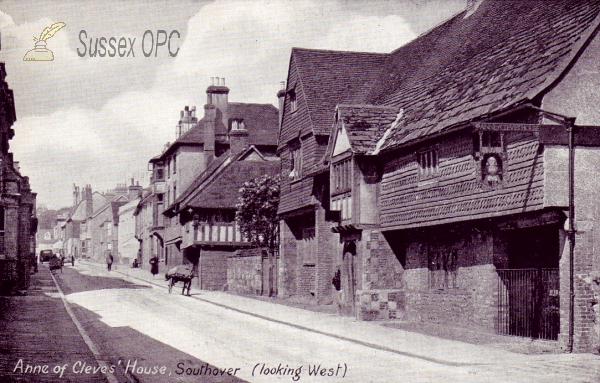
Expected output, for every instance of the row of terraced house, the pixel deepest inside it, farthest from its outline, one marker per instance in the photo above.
(18, 221)
(452, 180)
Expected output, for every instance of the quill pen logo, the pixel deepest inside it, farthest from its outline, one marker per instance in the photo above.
(40, 52)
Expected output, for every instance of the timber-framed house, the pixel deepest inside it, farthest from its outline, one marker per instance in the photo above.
(452, 185)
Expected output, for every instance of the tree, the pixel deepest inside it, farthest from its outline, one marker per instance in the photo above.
(256, 216)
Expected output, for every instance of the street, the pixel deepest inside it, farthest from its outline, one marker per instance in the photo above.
(145, 334)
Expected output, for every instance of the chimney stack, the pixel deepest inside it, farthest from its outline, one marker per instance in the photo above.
(217, 95)
(89, 203)
(133, 191)
(210, 117)
(75, 195)
(187, 121)
(281, 98)
(238, 136)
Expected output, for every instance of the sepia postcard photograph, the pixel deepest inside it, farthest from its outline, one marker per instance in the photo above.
(325, 191)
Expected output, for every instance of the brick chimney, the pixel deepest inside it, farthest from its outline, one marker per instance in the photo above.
(89, 202)
(133, 190)
(217, 94)
(238, 136)
(281, 98)
(75, 195)
(210, 116)
(187, 120)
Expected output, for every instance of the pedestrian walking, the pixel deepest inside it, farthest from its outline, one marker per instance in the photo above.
(72, 260)
(109, 260)
(154, 266)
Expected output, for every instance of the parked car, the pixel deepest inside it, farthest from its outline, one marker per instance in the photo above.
(46, 255)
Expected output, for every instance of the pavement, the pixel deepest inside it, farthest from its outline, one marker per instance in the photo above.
(40, 341)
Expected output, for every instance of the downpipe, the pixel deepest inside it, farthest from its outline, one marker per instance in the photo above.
(571, 232)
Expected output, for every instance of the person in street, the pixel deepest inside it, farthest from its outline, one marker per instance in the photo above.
(154, 265)
(72, 260)
(109, 260)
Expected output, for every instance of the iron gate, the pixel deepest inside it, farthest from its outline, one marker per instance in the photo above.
(528, 303)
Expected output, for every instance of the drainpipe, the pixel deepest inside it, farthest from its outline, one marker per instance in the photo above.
(570, 125)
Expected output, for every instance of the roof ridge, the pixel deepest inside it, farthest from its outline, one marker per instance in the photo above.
(372, 106)
(337, 51)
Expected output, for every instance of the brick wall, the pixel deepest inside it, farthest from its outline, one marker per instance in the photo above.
(469, 297)
(288, 269)
(586, 334)
(244, 271)
(324, 258)
(213, 269)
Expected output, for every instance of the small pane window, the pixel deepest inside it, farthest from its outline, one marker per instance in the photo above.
(428, 163)
(342, 175)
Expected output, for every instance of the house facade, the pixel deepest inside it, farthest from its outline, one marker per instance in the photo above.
(239, 143)
(128, 245)
(18, 222)
(317, 80)
(450, 183)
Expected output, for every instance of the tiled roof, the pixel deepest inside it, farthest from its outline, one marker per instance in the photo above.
(223, 191)
(506, 53)
(205, 175)
(365, 124)
(218, 186)
(261, 121)
(332, 77)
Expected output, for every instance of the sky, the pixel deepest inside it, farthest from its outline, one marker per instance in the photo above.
(98, 120)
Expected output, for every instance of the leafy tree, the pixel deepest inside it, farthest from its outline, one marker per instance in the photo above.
(256, 216)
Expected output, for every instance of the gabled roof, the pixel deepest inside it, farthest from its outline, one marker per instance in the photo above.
(328, 78)
(363, 125)
(507, 53)
(218, 186)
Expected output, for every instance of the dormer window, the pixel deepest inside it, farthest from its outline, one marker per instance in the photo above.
(238, 124)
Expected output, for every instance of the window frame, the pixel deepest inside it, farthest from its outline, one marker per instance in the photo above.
(296, 163)
(428, 163)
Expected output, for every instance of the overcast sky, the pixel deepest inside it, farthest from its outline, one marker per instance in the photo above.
(98, 120)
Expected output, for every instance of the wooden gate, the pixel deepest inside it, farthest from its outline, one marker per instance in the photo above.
(528, 303)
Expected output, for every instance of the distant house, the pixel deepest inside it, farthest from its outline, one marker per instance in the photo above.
(207, 213)
(224, 131)
(447, 175)
(18, 223)
(78, 238)
(128, 245)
